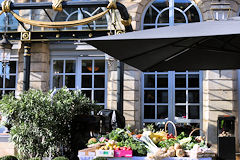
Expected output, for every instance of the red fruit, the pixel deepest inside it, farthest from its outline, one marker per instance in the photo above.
(138, 136)
(121, 148)
(124, 148)
(128, 148)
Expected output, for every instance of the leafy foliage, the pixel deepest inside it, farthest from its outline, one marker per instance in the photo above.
(8, 158)
(100, 158)
(124, 138)
(36, 158)
(60, 158)
(41, 122)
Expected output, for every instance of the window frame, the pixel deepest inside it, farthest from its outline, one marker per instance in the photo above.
(3, 89)
(78, 74)
(171, 8)
(171, 97)
(80, 16)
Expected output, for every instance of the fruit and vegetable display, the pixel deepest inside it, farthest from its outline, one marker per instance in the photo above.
(155, 145)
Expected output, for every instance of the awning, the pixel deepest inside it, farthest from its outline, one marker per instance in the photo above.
(194, 46)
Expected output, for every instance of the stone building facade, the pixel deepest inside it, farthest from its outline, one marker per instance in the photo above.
(209, 93)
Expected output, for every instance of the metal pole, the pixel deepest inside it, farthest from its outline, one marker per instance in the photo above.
(26, 66)
(120, 76)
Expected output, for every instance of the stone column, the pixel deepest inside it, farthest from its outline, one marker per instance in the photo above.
(219, 98)
(40, 67)
(131, 93)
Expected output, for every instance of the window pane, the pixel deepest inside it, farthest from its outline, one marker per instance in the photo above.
(58, 66)
(182, 4)
(99, 66)
(192, 15)
(70, 81)
(149, 80)
(164, 17)
(99, 96)
(180, 111)
(193, 81)
(149, 112)
(88, 93)
(87, 66)
(193, 96)
(162, 112)
(152, 14)
(179, 17)
(180, 81)
(180, 96)
(9, 91)
(162, 81)
(149, 96)
(13, 67)
(58, 81)
(70, 66)
(11, 82)
(193, 112)
(86, 81)
(162, 96)
(187, 128)
(99, 81)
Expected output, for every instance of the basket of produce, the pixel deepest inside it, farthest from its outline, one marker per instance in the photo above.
(175, 129)
(200, 148)
(155, 145)
(180, 145)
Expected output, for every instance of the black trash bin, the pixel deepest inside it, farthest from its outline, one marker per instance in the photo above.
(81, 129)
(226, 138)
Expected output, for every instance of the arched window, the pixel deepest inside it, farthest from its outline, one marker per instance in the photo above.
(81, 13)
(170, 12)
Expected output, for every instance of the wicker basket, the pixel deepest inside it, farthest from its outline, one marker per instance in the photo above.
(196, 129)
(174, 126)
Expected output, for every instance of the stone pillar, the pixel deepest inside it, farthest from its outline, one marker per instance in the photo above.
(131, 93)
(40, 67)
(219, 98)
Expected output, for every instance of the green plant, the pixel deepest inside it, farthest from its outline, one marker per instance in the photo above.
(60, 158)
(41, 123)
(8, 158)
(100, 158)
(36, 158)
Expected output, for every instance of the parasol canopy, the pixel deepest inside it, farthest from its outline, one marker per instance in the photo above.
(194, 46)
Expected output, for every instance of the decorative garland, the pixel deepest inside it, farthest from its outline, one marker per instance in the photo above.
(56, 6)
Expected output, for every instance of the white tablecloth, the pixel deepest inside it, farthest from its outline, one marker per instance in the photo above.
(144, 158)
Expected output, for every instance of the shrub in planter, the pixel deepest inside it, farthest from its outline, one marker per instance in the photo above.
(41, 122)
(60, 158)
(8, 158)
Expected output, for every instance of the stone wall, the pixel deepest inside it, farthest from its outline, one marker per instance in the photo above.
(219, 98)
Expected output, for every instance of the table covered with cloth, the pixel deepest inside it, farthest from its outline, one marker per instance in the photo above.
(144, 158)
